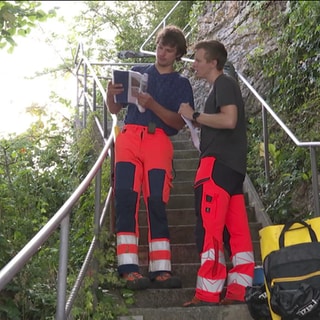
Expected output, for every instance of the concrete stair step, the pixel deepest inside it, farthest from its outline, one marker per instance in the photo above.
(182, 187)
(185, 154)
(235, 312)
(186, 253)
(176, 201)
(175, 217)
(185, 233)
(185, 175)
(186, 216)
(183, 134)
(187, 272)
(166, 304)
(186, 145)
(185, 163)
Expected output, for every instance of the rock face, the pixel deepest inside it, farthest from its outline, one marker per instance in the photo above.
(237, 26)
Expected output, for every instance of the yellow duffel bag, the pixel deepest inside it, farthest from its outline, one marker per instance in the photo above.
(269, 236)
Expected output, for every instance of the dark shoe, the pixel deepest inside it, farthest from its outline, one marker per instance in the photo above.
(195, 302)
(166, 281)
(226, 302)
(136, 281)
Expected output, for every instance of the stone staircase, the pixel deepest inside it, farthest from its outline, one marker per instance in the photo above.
(166, 304)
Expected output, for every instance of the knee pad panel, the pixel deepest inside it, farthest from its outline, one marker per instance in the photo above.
(124, 173)
(156, 181)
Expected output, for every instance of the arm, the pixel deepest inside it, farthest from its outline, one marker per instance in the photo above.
(112, 90)
(170, 118)
(225, 119)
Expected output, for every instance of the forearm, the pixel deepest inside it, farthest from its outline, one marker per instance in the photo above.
(226, 119)
(170, 118)
(217, 121)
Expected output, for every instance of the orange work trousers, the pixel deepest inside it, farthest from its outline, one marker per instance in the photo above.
(220, 206)
(143, 163)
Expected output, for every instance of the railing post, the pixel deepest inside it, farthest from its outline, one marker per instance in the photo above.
(94, 96)
(112, 205)
(85, 91)
(97, 215)
(266, 144)
(315, 184)
(105, 120)
(63, 267)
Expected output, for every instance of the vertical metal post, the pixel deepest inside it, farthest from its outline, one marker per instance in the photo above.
(94, 96)
(85, 91)
(105, 120)
(97, 215)
(315, 184)
(112, 205)
(63, 267)
(266, 144)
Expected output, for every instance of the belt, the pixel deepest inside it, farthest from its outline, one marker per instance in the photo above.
(151, 127)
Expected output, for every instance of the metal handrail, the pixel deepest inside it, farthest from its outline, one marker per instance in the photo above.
(266, 109)
(61, 217)
(163, 24)
(311, 144)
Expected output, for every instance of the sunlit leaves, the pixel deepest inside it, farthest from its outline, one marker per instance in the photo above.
(17, 18)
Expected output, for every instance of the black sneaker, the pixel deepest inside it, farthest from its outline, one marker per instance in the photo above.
(166, 281)
(136, 281)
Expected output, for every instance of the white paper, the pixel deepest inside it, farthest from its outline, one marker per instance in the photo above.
(193, 132)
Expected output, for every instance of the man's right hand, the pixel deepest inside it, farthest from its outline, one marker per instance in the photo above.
(112, 90)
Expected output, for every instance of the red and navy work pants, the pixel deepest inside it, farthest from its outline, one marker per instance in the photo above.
(220, 208)
(143, 163)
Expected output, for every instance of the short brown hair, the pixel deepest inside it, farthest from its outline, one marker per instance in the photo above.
(215, 50)
(173, 36)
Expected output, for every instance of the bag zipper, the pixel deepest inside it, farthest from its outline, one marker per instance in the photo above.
(298, 278)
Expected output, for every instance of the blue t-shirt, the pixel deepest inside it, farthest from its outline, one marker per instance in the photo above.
(169, 90)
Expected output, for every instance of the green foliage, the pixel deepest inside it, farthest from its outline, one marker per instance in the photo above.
(293, 71)
(101, 295)
(17, 18)
(35, 180)
(38, 172)
(131, 21)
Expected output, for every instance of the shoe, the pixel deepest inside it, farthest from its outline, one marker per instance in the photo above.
(166, 281)
(136, 281)
(195, 302)
(227, 302)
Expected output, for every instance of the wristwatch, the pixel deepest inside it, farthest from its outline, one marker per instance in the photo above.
(195, 115)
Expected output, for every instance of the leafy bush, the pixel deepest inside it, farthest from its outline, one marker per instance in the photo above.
(292, 70)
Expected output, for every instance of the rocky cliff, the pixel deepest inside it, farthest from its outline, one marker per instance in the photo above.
(236, 25)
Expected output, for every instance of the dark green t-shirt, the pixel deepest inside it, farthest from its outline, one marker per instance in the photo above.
(228, 146)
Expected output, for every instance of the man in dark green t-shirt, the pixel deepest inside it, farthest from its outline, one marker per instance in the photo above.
(219, 200)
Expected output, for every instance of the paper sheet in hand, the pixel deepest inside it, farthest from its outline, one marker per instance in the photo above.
(193, 132)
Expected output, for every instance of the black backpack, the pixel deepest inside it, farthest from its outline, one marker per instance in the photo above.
(257, 301)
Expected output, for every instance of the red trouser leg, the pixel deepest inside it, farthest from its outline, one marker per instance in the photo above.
(211, 206)
(241, 274)
(157, 156)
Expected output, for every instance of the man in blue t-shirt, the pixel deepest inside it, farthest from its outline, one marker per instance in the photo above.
(143, 156)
